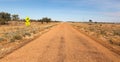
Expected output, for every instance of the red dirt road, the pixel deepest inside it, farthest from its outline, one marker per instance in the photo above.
(62, 43)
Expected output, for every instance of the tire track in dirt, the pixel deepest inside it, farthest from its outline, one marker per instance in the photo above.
(61, 51)
(92, 52)
(50, 50)
(53, 50)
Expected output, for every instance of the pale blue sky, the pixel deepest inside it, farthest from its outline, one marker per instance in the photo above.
(64, 10)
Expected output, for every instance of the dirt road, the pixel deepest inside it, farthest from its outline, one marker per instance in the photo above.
(62, 43)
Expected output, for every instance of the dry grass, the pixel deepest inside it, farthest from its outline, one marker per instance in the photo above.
(109, 33)
(14, 35)
(18, 32)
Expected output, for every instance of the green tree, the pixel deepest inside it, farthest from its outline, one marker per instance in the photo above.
(4, 17)
(90, 20)
(47, 20)
(15, 17)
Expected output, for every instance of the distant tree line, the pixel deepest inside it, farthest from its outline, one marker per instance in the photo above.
(5, 17)
(45, 19)
(15, 17)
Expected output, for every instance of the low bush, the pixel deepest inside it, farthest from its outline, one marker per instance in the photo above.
(1, 39)
(27, 34)
(111, 42)
(116, 32)
(12, 40)
(17, 37)
(34, 32)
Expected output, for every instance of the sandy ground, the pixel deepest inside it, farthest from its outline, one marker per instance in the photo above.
(62, 43)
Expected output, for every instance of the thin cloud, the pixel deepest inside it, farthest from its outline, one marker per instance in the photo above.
(9, 0)
(101, 4)
(106, 7)
(112, 14)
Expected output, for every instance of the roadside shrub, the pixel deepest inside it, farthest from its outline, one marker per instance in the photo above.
(27, 34)
(9, 35)
(12, 40)
(91, 29)
(111, 42)
(90, 24)
(100, 24)
(34, 32)
(2, 22)
(114, 41)
(116, 32)
(1, 39)
(102, 32)
(17, 37)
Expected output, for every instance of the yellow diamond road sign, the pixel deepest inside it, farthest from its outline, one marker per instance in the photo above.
(27, 21)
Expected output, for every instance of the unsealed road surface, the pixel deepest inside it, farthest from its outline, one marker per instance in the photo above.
(62, 43)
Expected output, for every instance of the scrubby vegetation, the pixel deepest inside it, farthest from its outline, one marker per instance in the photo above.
(14, 32)
(13, 36)
(108, 34)
(6, 17)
